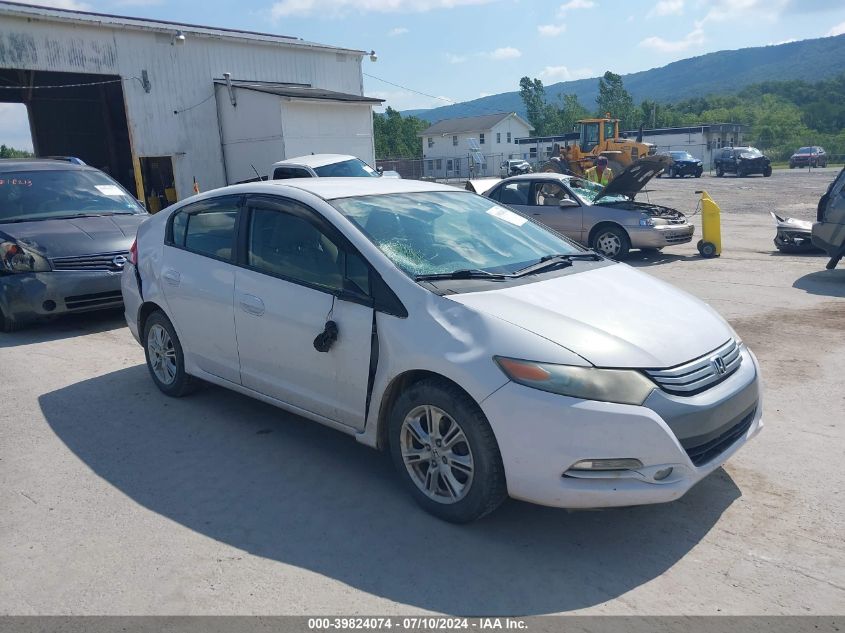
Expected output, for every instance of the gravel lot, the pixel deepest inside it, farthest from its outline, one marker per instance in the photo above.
(117, 500)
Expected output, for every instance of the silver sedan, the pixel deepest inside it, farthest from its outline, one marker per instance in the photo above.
(607, 219)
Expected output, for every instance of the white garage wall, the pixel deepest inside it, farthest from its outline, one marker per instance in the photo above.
(313, 127)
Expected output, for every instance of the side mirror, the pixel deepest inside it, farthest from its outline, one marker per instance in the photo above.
(568, 202)
(380, 170)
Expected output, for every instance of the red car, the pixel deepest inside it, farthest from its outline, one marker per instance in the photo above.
(814, 156)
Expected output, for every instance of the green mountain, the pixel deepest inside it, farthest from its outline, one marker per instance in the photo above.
(723, 72)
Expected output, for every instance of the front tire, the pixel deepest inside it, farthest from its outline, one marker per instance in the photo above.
(719, 172)
(444, 450)
(611, 241)
(767, 172)
(165, 358)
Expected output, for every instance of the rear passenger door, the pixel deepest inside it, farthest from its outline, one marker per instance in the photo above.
(297, 274)
(198, 281)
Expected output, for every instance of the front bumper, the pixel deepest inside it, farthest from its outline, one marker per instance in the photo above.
(541, 435)
(660, 236)
(34, 296)
(689, 169)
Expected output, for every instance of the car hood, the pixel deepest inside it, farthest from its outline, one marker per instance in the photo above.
(613, 316)
(632, 180)
(78, 236)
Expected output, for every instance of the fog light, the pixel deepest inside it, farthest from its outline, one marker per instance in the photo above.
(660, 475)
(607, 464)
(49, 305)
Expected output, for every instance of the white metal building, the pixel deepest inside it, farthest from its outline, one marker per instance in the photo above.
(447, 148)
(160, 104)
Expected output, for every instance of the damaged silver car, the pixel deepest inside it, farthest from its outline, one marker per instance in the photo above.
(607, 219)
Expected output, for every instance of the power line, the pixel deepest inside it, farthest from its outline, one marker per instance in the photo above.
(93, 83)
(410, 89)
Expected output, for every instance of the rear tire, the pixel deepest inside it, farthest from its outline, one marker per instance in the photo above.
(446, 453)
(611, 241)
(165, 358)
(767, 172)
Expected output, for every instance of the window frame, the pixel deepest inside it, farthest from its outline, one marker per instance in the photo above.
(380, 296)
(188, 209)
(454, 140)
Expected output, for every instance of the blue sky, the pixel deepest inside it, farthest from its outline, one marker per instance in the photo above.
(464, 49)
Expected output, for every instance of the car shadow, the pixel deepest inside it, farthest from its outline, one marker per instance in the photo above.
(65, 326)
(829, 283)
(277, 486)
(641, 259)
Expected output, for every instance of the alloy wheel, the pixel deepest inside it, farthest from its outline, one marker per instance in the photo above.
(437, 454)
(162, 354)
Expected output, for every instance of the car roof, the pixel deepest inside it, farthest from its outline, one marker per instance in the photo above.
(10, 165)
(315, 160)
(334, 188)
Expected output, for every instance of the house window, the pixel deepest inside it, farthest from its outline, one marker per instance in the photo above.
(455, 141)
(498, 137)
(458, 164)
(532, 152)
(439, 164)
(481, 139)
(549, 150)
(430, 142)
(430, 165)
(449, 165)
(509, 137)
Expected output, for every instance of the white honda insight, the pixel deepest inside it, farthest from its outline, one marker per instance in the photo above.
(490, 355)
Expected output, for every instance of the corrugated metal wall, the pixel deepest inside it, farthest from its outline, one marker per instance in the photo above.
(178, 117)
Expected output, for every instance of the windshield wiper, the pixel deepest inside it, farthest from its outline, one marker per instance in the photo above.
(551, 261)
(463, 273)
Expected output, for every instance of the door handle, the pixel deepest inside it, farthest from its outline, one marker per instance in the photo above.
(252, 304)
(173, 277)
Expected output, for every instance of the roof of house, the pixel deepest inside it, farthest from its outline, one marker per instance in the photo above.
(32, 11)
(300, 91)
(471, 124)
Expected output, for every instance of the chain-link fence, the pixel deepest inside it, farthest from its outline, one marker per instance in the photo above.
(448, 167)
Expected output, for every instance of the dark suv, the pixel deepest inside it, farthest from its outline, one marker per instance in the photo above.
(742, 161)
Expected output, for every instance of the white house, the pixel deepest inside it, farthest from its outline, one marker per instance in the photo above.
(450, 146)
(159, 104)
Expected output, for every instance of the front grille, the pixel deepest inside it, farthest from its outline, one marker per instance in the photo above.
(104, 261)
(703, 453)
(678, 238)
(81, 302)
(699, 374)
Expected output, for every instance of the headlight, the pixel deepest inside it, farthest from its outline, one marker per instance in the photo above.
(14, 258)
(624, 386)
(646, 221)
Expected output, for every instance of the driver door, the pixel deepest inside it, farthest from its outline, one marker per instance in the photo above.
(546, 200)
(297, 275)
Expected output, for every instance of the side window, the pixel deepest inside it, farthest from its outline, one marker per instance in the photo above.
(206, 228)
(515, 192)
(495, 194)
(288, 245)
(548, 194)
(283, 173)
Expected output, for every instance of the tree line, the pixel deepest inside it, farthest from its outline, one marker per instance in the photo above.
(11, 152)
(780, 115)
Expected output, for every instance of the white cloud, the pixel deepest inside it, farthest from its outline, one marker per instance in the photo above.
(14, 126)
(667, 7)
(285, 8)
(62, 4)
(456, 59)
(481, 95)
(691, 39)
(139, 3)
(575, 4)
(399, 30)
(404, 100)
(720, 10)
(839, 29)
(563, 73)
(506, 52)
(551, 30)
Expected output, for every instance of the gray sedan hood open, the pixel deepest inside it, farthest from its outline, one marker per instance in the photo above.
(77, 236)
(632, 180)
(614, 316)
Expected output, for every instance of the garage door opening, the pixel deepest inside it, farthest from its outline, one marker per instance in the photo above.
(15, 137)
(75, 114)
(158, 182)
